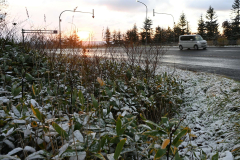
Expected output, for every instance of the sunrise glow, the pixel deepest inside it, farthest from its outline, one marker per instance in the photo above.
(83, 35)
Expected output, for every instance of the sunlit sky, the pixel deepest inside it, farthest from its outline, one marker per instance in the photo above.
(115, 14)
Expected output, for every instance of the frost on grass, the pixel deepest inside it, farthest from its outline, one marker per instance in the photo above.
(209, 100)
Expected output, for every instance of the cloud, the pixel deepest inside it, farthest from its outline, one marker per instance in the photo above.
(218, 5)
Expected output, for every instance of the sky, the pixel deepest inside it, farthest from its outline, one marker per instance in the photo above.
(114, 14)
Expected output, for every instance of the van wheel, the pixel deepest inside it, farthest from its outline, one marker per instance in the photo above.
(196, 47)
(180, 47)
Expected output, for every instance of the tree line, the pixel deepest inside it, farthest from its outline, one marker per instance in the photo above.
(208, 28)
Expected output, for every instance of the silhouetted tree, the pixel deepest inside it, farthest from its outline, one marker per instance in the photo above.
(227, 29)
(114, 36)
(211, 24)
(236, 19)
(158, 35)
(107, 36)
(146, 28)
(177, 32)
(132, 35)
(182, 23)
(201, 27)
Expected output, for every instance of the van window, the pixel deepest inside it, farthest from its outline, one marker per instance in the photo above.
(198, 38)
(187, 38)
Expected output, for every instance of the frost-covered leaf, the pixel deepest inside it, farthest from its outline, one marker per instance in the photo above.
(61, 150)
(16, 111)
(9, 143)
(27, 132)
(78, 135)
(86, 120)
(10, 132)
(110, 156)
(50, 120)
(29, 149)
(34, 103)
(14, 151)
(19, 121)
(38, 154)
(72, 153)
(9, 157)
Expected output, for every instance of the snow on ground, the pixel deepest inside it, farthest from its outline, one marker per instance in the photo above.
(211, 102)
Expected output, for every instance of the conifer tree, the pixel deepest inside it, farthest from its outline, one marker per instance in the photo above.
(236, 19)
(182, 23)
(107, 36)
(201, 27)
(227, 29)
(211, 24)
(158, 35)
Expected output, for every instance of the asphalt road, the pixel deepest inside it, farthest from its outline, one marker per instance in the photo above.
(223, 61)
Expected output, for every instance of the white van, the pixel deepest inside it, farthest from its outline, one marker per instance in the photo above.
(192, 41)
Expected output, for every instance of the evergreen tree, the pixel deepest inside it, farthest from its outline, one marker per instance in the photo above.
(182, 23)
(114, 36)
(158, 35)
(107, 36)
(236, 19)
(227, 29)
(211, 24)
(147, 28)
(118, 38)
(132, 35)
(201, 27)
(177, 32)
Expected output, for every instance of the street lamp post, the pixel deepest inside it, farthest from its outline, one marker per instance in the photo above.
(146, 18)
(173, 21)
(60, 23)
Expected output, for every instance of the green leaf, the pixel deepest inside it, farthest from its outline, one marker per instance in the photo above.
(177, 157)
(178, 143)
(103, 141)
(160, 153)
(94, 101)
(119, 126)
(15, 90)
(38, 114)
(109, 93)
(151, 124)
(180, 135)
(119, 148)
(29, 77)
(154, 133)
(215, 157)
(164, 119)
(59, 130)
(74, 96)
(100, 156)
(81, 97)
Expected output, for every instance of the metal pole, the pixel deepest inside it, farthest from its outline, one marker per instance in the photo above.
(23, 35)
(146, 18)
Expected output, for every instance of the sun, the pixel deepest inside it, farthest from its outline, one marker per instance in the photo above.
(83, 35)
